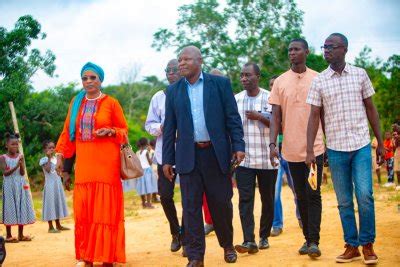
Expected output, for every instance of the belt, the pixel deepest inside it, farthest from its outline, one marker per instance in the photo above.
(203, 144)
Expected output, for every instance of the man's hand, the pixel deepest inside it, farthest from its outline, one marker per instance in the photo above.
(168, 172)
(239, 156)
(67, 180)
(273, 155)
(310, 158)
(253, 115)
(380, 154)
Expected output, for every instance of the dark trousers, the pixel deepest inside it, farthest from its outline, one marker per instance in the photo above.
(206, 177)
(308, 200)
(166, 192)
(246, 184)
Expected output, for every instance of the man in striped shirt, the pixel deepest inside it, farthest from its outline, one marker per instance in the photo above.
(255, 112)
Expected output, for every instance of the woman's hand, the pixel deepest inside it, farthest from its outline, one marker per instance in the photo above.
(105, 132)
(67, 180)
(59, 165)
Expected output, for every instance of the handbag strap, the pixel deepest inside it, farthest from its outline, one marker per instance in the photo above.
(126, 141)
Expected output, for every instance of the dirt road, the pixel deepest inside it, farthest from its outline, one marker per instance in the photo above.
(148, 239)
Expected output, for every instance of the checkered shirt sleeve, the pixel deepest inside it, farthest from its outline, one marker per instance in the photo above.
(314, 95)
(367, 88)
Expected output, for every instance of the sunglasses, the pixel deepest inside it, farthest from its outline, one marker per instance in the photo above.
(173, 70)
(330, 47)
(92, 78)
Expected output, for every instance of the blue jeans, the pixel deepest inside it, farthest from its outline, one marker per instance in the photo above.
(278, 212)
(354, 170)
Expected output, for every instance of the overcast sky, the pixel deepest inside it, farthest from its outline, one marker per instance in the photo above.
(117, 34)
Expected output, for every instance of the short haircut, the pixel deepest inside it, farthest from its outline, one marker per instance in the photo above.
(153, 142)
(216, 72)
(9, 136)
(256, 68)
(300, 40)
(142, 142)
(273, 77)
(342, 37)
(46, 143)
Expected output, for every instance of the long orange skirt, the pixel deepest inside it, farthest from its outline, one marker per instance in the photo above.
(99, 203)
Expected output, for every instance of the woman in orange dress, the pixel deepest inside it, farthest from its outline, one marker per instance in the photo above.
(94, 129)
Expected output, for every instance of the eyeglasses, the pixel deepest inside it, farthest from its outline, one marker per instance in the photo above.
(92, 78)
(330, 47)
(173, 70)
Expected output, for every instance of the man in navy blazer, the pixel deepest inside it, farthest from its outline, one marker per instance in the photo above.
(202, 133)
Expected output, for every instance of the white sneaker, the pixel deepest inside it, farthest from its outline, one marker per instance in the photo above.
(398, 188)
(389, 184)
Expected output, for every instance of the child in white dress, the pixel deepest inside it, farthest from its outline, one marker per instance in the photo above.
(54, 204)
(17, 200)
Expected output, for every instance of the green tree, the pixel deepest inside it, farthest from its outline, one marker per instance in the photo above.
(18, 63)
(135, 98)
(390, 97)
(385, 77)
(242, 31)
(316, 62)
(42, 118)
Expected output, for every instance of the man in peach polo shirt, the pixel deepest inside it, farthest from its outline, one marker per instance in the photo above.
(289, 108)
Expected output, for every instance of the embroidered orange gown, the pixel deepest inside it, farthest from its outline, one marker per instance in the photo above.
(98, 196)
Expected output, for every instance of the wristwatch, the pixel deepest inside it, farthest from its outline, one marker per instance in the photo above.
(272, 144)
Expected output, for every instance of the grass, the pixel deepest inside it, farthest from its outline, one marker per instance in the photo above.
(395, 197)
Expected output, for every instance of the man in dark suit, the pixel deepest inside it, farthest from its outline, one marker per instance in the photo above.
(202, 117)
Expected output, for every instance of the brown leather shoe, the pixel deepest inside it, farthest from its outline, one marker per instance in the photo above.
(349, 255)
(369, 254)
(195, 263)
(230, 255)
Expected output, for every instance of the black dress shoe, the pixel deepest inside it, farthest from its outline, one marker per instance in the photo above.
(208, 228)
(230, 255)
(195, 263)
(2, 250)
(184, 253)
(175, 243)
(263, 244)
(247, 247)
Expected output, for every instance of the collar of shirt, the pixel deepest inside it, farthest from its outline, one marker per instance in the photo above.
(200, 79)
(332, 72)
(299, 75)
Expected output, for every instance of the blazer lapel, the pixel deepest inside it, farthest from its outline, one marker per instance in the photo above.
(207, 87)
(186, 101)
(185, 96)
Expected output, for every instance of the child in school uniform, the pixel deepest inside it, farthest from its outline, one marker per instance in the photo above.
(389, 159)
(17, 201)
(54, 204)
(147, 184)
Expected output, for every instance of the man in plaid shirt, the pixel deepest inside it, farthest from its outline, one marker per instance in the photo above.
(255, 112)
(344, 92)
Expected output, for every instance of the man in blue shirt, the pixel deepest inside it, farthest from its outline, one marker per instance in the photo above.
(154, 126)
(201, 116)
